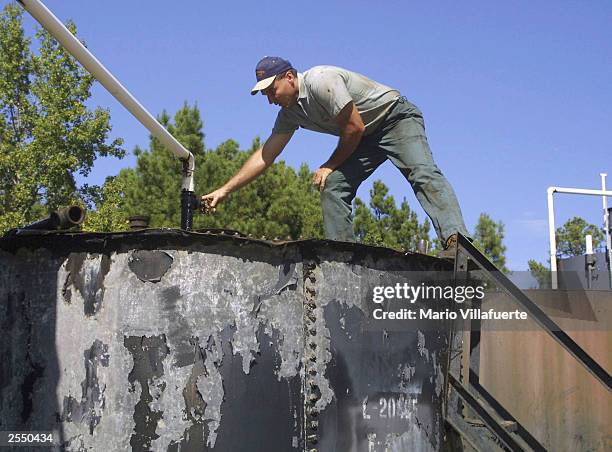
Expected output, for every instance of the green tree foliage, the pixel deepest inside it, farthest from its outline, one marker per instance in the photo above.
(571, 237)
(384, 224)
(279, 204)
(109, 213)
(153, 188)
(540, 272)
(571, 242)
(47, 134)
(489, 238)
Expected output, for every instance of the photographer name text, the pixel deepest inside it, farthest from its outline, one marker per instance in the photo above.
(411, 294)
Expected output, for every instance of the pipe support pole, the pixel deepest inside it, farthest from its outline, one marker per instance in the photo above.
(606, 217)
(552, 240)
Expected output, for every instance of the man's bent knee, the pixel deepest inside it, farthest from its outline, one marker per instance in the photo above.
(336, 191)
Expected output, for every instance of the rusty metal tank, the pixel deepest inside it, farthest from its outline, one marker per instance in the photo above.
(172, 341)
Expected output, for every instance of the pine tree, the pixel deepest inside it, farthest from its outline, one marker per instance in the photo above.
(571, 237)
(384, 224)
(571, 241)
(540, 272)
(489, 238)
(279, 204)
(154, 187)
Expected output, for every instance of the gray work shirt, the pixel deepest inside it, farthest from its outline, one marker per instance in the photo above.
(325, 90)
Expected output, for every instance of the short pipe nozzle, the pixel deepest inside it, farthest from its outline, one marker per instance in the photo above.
(67, 217)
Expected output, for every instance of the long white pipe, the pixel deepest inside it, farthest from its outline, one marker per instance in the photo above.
(57, 29)
(551, 222)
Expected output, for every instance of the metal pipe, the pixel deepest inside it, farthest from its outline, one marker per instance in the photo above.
(606, 219)
(57, 29)
(551, 222)
(64, 218)
(581, 191)
(589, 244)
(589, 259)
(552, 240)
(189, 204)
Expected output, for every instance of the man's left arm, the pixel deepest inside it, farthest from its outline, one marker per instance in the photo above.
(351, 130)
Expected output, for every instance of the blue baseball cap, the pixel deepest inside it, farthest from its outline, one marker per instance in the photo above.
(267, 69)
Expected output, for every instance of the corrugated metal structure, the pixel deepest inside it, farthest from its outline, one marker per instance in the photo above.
(166, 340)
(544, 388)
(573, 273)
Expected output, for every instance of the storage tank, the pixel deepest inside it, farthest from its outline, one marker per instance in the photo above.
(166, 340)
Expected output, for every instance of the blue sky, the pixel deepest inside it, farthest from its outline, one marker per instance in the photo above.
(516, 95)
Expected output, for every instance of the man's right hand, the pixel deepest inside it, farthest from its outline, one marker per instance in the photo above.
(211, 200)
(256, 164)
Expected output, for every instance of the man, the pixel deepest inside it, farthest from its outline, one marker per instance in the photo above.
(374, 123)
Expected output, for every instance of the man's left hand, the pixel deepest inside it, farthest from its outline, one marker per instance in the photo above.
(320, 176)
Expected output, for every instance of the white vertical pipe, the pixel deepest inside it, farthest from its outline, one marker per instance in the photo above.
(589, 244)
(604, 201)
(551, 238)
(57, 29)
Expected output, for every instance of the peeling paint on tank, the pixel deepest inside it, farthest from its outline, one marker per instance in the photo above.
(283, 313)
(421, 345)
(337, 281)
(405, 374)
(220, 298)
(194, 403)
(86, 273)
(148, 354)
(210, 387)
(223, 315)
(172, 425)
(90, 405)
(115, 428)
(439, 378)
(414, 440)
(192, 306)
(75, 443)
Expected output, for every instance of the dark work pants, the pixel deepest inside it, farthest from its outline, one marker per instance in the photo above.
(401, 139)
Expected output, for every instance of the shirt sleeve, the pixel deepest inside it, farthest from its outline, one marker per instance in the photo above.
(283, 124)
(330, 92)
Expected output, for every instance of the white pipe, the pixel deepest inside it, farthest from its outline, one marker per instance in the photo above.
(604, 200)
(589, 244)
(581, 191)
(552, 240)
(57, 29)
(606, 214)
(551, 222)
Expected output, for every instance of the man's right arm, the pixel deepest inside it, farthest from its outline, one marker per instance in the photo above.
(256, 164)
